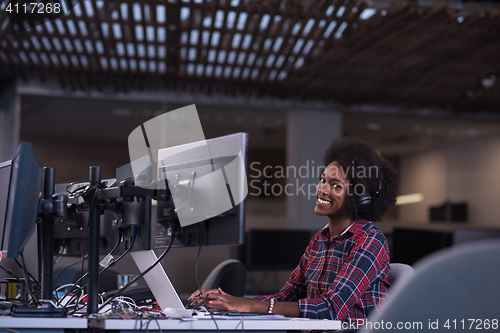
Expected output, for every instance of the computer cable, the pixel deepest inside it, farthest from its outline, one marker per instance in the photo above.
(32, 277)
(85, 257)
(81, 191)
(157, 323)
(61, 251)
(28, 282)
(202, 238)
(210, 311)
(70, 265)
(134, 234)
(86, 234)
(122, 290)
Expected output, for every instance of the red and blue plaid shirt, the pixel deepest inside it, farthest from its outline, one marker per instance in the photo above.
(344, 279)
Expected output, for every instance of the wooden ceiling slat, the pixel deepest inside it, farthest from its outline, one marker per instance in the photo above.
(319, 15)
(131, 28)
(202, 50)
(261, 58)
(190, 44)
(223, 40)
(406, 55)
(254, 9)
(232, 87)
(154, 23)
(90, 77)
(308, 59)
(147, 77)
(173, 9)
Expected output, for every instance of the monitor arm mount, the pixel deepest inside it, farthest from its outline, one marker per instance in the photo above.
(115, 199)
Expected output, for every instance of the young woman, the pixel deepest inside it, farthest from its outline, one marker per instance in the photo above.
(343, 272)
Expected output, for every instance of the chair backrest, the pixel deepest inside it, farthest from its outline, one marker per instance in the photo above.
(456, 283)
(230, 275)
(399, 272)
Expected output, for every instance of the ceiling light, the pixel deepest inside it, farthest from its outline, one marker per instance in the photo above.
(488, 82)
(409, 198)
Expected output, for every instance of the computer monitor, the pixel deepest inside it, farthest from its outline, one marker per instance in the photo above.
(466, 235)
(454, 212)
(411, 245)
(274, 249)
(5, 168)
(188, 169)
(23, 199)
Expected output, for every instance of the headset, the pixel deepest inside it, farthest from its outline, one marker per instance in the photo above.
(364, 201)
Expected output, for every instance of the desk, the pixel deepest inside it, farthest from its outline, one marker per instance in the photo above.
(45, 325)
(207, 324)
(65, 325)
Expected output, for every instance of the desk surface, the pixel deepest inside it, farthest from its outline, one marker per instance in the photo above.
(34, 324)
(42, 323)
(224, 324)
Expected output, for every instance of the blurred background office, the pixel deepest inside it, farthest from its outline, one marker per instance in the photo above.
(419, 80)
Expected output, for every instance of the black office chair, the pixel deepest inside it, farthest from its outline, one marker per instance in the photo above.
(230, 275)
(399, 272)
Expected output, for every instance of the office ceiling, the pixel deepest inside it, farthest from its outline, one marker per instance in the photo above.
(73, 120)
(328, 50)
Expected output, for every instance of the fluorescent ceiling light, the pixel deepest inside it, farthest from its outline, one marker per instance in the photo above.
(409, 198)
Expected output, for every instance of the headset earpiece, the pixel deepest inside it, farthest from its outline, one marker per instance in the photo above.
(364, 201)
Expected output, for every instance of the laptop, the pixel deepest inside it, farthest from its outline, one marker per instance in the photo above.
(157, 280)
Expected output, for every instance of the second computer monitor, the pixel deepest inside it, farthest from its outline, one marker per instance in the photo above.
(189, 171)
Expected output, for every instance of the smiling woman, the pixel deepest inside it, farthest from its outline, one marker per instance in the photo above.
(343, 272)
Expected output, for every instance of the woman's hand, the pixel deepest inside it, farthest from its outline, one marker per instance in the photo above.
(198, 296)
(220, 300)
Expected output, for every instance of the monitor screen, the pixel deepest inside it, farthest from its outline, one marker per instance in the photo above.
(201, 175)
(465, 235)
(274, 249)
(455, 212)
(24, 194)
(411, 245)
(5, 168)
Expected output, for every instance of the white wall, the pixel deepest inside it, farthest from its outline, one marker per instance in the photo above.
(466, 171)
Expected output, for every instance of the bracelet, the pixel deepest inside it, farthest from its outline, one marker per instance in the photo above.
(271, 306)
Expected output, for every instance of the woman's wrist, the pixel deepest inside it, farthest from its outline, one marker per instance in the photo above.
(259, 306)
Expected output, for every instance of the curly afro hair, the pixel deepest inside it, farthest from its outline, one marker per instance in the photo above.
(362, 164)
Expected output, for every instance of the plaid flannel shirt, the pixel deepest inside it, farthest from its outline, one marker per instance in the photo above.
(344, 279)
